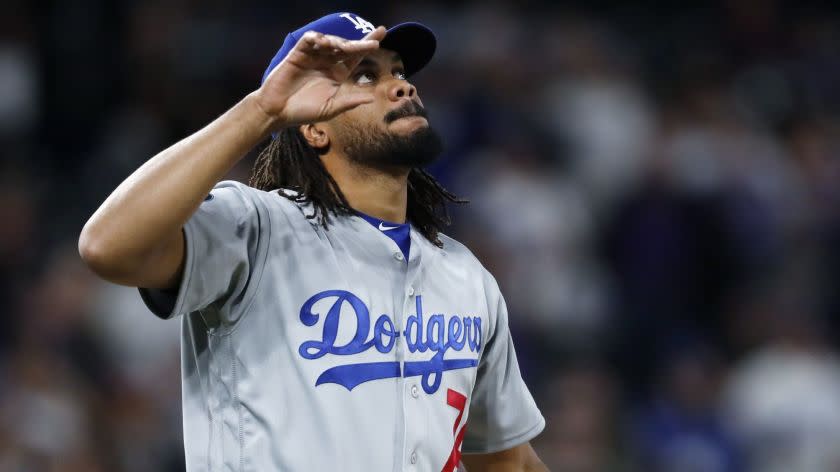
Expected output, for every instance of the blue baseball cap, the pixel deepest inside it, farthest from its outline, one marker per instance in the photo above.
(414, 42)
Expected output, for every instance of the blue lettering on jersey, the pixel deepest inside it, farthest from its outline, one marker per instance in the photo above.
(436, 335)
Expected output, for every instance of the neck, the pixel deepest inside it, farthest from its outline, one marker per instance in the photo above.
(381, 193)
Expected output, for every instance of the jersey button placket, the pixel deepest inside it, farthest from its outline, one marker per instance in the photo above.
(416, 422)
(415, 419)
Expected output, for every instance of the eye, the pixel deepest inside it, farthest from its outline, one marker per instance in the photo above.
(365, 78)
(400, 74)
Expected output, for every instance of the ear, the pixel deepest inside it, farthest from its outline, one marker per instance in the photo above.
(315, 135)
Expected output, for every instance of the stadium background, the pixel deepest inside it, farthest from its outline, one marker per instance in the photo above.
(657, 190)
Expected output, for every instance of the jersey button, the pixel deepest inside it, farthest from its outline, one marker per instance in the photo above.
(398, 256)
(410, 291)
(414, 391)
(413, 458)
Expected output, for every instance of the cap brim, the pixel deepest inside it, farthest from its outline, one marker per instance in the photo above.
(414, 42)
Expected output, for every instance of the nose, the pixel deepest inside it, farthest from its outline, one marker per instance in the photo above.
(401, 89)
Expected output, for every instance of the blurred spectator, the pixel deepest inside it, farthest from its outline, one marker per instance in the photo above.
(17, 251)
(681, 430)
(46, 420)
(19, 75)
(540, 256)
(582, 402)
(784, 399)
(595, 105)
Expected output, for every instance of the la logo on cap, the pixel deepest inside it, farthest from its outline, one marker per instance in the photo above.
(359, 22)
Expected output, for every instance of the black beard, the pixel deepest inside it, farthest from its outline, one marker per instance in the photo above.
(372, 147)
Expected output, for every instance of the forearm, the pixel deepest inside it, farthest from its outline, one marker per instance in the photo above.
(536, 466)
(147, 211)
(135, 237)
(521, 458)
(509, 466)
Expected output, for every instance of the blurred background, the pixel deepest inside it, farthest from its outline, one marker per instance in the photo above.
(656, 188)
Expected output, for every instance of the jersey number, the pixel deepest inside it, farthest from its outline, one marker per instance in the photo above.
(458, 401)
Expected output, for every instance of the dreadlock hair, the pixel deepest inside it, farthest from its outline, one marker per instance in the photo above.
(289, 162)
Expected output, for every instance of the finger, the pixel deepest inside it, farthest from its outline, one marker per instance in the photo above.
(346, 46)
(353, 60)
(378, 34)
(347, 101)
(313, 42)
(309, 41)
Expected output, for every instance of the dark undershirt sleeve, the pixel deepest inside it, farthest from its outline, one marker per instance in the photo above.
(161, 302)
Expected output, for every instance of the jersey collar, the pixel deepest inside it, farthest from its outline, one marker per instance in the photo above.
(400, 233)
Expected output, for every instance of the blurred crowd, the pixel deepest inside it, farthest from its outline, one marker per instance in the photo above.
(657, 190)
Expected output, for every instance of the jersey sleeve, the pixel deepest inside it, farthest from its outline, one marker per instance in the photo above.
(225, 244)
(502, 412)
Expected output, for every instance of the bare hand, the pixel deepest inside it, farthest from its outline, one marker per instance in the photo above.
(306, 86)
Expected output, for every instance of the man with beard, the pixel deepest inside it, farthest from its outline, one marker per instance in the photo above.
(327, 324)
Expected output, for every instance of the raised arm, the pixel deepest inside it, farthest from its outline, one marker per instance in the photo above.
(135, 237)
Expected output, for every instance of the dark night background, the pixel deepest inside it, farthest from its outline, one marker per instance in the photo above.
(656, 188)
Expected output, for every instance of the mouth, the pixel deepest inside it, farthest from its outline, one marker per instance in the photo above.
(408, 124)
(412, 117)
(409, 110)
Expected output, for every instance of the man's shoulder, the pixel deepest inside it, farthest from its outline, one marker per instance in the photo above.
(272, 200)
(236, 187)
(456, 248)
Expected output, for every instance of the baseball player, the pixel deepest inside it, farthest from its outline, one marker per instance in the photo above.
(327, 324)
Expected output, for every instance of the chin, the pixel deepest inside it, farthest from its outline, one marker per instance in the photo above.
(403, 143)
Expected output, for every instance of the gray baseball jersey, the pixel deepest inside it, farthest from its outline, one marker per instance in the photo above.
(305, 349)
